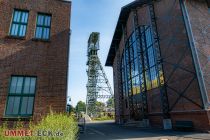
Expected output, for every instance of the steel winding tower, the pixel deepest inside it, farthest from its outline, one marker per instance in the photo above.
(98, 86)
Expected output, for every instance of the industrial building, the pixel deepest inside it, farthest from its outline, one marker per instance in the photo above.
(160, 54)
(34, 46)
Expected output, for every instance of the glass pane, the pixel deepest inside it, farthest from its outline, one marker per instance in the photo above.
(19, 85)
(136, 66)
(13, 84)
(151, 57)
(21, 30)
(38, 32)
(24, 17)
(24, 30)
(153, 73)
(14, 29)
(148, 82)
(32, 85)
(131, 53)
(24, 105)
(17, 16)
(134, 50)
(30, 105)
(148, 37)
(26, 85)
(16, 105)
(10, 105)
(133, 37)
(47, 20)
(40, 20)
(46, 33)
(132, 70)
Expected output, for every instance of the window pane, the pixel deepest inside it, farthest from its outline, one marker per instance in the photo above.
(148, 82)
(13, 84)
(21, 30)
(131, 53)
(10, 103)
(134, 50)
(24, 105)
(14, 29)
(32, 85)
(151, 57)
(27, 105)
(26, 85)
(30, 105)
(38, 32)
(148, 37)
(19, 85)
(47, 21)
(136, 66)
(24, 30)
(153, 73)
(17, 16)
(16, 105)
(45, 34)
(40, 20)
(24, 17)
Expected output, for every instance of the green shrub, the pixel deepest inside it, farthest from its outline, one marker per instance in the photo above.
(65, 125)
(103, 118)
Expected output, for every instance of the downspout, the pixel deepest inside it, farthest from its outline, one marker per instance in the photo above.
(197, 64)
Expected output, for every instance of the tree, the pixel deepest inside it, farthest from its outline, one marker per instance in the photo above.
(80, 107)
(100, 107)
(110, 103)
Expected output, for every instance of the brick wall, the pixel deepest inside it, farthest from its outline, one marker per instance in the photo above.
(200, 26)
(46, 60)
(183, 89)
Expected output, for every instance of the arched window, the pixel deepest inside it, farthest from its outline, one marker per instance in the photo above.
(139, 63)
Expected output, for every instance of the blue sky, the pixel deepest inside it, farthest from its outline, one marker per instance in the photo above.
(90, 16)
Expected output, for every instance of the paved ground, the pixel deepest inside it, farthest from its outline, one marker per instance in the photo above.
(107, 130)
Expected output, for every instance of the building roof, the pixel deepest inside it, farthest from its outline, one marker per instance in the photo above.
(124, 14)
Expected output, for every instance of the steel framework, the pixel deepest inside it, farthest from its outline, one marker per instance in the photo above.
(98, 86)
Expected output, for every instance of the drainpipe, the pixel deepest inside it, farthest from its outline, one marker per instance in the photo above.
(203, 90)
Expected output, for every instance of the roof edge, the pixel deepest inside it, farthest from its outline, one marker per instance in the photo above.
(125, 11)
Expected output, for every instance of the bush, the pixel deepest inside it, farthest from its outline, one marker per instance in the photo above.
(103, 118)
(65, 126)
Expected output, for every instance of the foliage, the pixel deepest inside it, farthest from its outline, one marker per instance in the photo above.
(110, 103)
(100, 107)
(53, 122)
(80, 107)
(103, 118)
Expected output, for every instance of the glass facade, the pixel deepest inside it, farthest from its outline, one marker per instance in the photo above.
(139, 64)
(19, 23)
(21, 96)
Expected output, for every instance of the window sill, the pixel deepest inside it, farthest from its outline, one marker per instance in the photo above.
(15, 37)
(16, 118)
(41, 40)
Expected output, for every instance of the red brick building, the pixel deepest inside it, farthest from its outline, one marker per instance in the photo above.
(34, 46)
(160, 54)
